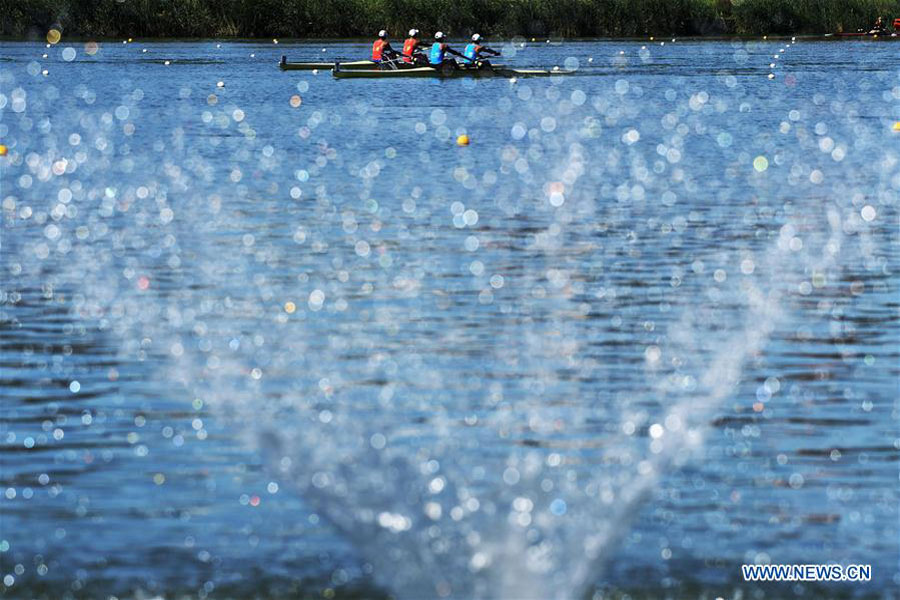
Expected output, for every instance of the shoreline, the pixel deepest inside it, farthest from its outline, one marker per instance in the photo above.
(551, 40)
(493, 18)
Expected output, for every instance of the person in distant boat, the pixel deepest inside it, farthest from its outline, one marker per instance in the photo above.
(475, 52)
(439, 51)
(878, 27)
(413, 49)
(381, 49)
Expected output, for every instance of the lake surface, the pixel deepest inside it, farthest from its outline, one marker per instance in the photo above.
(283, 337)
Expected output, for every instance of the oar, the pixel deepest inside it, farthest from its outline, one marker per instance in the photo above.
(393, 61)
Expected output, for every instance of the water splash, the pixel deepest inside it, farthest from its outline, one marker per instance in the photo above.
(432, 389)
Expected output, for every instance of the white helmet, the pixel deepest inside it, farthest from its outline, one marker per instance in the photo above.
(476, 37)
(382, 33)
(439, 35)
(413, 32)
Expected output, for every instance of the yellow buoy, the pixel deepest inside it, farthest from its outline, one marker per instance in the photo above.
(897, 126)
(3, 150)
(462, 140)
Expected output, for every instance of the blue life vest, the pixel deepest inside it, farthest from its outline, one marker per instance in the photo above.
(437, 53)
(471, 52)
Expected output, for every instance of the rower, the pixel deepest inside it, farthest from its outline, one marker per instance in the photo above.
(474, 52)
(439, 50)
(381, 49)
(879, 26)
(412, 48)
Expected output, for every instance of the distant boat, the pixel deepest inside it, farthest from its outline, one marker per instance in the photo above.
(872, 33)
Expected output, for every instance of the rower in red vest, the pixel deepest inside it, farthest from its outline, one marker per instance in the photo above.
(381, 49)
(412, 48)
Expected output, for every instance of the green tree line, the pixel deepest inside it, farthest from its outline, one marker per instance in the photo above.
(353, 18)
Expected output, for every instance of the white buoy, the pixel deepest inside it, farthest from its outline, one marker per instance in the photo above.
(221, 84)
(771, 75)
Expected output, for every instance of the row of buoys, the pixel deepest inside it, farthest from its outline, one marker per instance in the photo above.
(776, 56)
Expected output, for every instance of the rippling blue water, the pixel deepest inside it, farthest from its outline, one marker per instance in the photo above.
(642, 330)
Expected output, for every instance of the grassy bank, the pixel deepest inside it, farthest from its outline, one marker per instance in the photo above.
(348, 18)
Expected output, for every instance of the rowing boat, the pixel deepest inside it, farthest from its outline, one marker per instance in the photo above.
(340, 72)
(312, 66)
(867, 34)
(359, 65)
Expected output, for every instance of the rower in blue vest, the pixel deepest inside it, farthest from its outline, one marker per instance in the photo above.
(439, 50)
(475, 51)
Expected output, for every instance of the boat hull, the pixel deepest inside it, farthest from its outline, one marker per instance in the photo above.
(341, 72)
(312, 66)
(872, 36)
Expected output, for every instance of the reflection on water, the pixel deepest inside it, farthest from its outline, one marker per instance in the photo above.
(642, 330)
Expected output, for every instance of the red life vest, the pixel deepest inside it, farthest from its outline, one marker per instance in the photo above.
(378, 49)
(409, 46)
